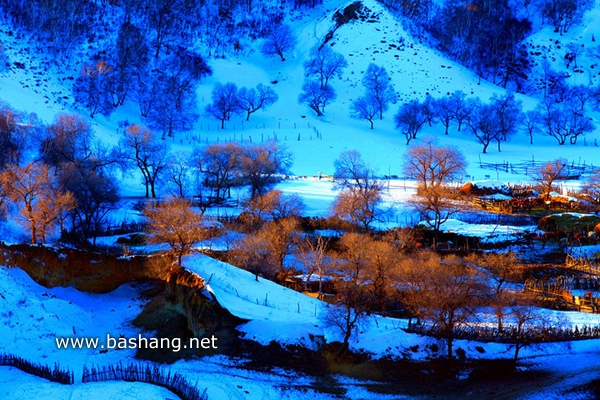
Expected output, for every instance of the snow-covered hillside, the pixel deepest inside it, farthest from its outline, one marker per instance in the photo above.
(43, 88)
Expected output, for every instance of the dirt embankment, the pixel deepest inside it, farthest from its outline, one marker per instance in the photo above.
(90, 272)
(183, 309)
(179, 306)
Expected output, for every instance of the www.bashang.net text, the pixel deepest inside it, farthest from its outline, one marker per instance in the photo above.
(139, 342)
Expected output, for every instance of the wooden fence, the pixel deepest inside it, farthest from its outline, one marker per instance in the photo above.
(147, 373)
(573, 170)
(582, 264)
(53, 374)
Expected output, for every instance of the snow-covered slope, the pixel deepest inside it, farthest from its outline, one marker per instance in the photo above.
(415, 70)
(33, 316)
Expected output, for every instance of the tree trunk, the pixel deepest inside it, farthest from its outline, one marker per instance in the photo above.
(31, 222)
(152, 189)
(499, 318)
(316, 109)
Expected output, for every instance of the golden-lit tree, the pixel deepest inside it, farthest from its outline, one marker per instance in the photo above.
(445, 293)
(503, 269)
(35, 190)
(549, 173)
(273, 205)
(360, 191)
(434, 167)
(264, 252)
(173, 221)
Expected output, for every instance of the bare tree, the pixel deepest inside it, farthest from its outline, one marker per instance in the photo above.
(162, 17)
(16, 131)
(264, 251)
(410, 118)
(563, 14)
(485, 124)
(324, 63)
(381, 263)
(592, 187)
(52, 209)
(503, 269)
(531, 124)
(364, 108)
(523, 309)
(44, 203)
(351, 286)
(281, 237)
(251, 253)
(220, 165)
(379, 88)
(252, 100)
(67, 139)
(316, 96)
(279, 40)
(443, 292)
(224, 102)
(131, 60)
(95, 192)
(275, 205)
(147, 152)
(171, 106)
(564, 120)
(461, 106)
(146, 90)
(179, 175)
(508, 111)
(546, 175)
(312, 254)
(173, 221)
(260, 164)
(360, 191)
(92, 88)
(444, 111)
(25, 185)
(434, 168)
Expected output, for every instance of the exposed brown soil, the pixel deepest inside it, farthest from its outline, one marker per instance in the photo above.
(90, 272)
